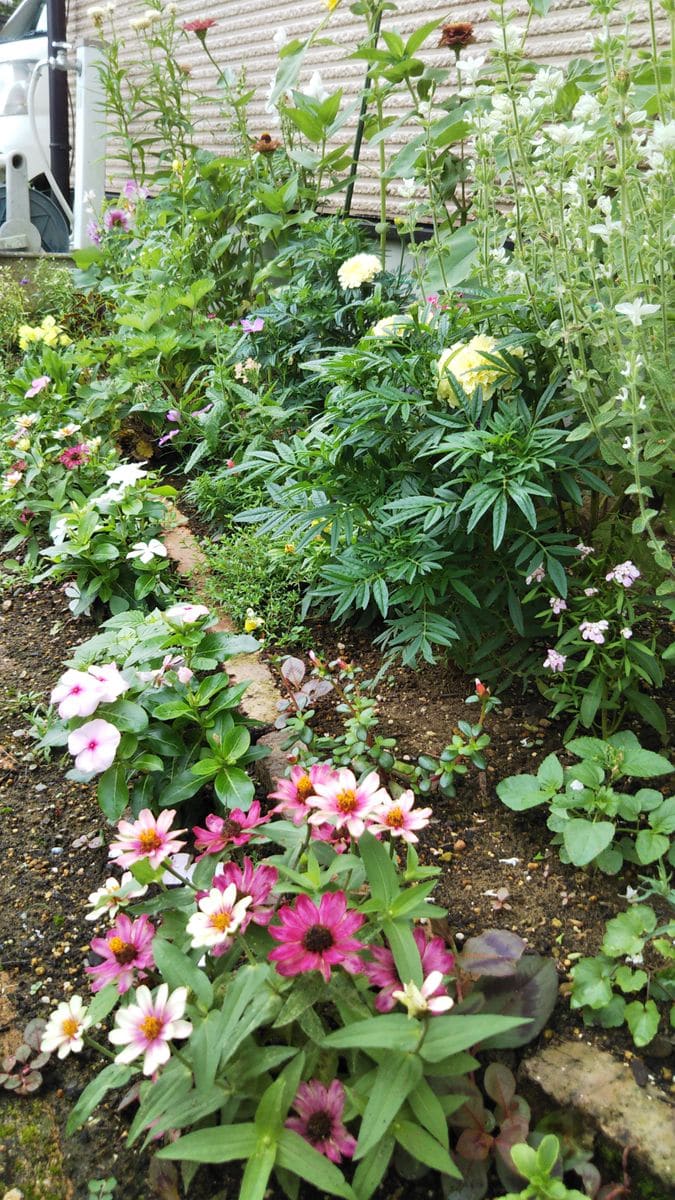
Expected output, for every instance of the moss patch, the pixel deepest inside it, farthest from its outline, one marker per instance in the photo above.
(30, 1151)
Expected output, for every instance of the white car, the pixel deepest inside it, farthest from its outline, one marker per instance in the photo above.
(23, 43)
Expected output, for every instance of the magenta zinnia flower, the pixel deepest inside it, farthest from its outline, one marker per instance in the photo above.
(254, 882)
(319, 1122)
(117, 218)
(382, 972)
(233, 830)
(75, 456)
(126, 949)
(317, 938)
(295, 792)
(341, 801)
(397, 817)
(147, 1026)
(147, 837)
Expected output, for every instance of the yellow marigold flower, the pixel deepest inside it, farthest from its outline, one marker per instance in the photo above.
(252, 621)
(289, 548)
(48, 332)
(359, 269)
(331, 5)
(468, 363)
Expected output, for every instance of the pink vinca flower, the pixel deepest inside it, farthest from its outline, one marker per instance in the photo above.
(77, 694)
(316, 938)
(382, 972)
(397, 817)
(319, 1119)
(343, 801)
(126, 952)
(171, 662)
(112, 683)
(185, 614)
(94, 746)
(146, 1027)
(294, 793)
(219, 917)
(37, 385)
(255, 882)
(148, 837)
(64, 1029)
(234, 830)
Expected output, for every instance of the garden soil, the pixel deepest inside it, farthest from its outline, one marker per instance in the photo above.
(53, 855)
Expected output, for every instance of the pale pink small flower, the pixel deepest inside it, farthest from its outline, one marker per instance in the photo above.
(342, 801)
(584, 551)
(37, 385)
(218, 919)
(65, 1028)
(397, 817)
(148, 837)
(554, 661)
(185, 614)
(624, 573)
(594, 631)
(591, 591)
(558, 605)
(537, 575)
(626, 633)
(146, 1027)
(76, 694)
(423, 1000)
(94, 746)
(294, 793)
(111, 682)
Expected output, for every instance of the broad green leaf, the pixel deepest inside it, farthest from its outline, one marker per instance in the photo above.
(404, 948)
(424, 1148)
(179, 970)
(649, 846)
(591, 978)
(393, 1029)
(643, 1021)
(397, 1075)
(222, 1143)
(128, 717)
(380, 870)
(429, 1112)
(113, 1076)
(112, 792)
(521, 792)
(550, 774)
(585, 840)
(625, 934)
(448, 1035)
(371, 1169)
(102, 1004)
(234, 789)
(296, 1155)
(258, 1171)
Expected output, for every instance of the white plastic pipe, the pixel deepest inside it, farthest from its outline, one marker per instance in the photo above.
(90, 142)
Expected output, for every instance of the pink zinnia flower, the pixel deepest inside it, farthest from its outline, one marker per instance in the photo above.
(255, 882)
(134, 191)
(295, 792)
(75, 456)
(117, 218)
(94, 232)
(199, 25)
(77, 694)
(219, 917)
(319, 1121)
(94, 746)
(397, 818)
(148, 1026)
(382, 972)
(127, 948)
(111, 682)
(148, 837)
(234, 830)
(341, 801)
(317, 938)
(26, 515)
(339, 842)
(37, 385)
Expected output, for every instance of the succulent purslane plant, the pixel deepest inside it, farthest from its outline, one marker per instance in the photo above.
(21, 1071)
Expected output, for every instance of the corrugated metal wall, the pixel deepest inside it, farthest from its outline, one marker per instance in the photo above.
(245, 29)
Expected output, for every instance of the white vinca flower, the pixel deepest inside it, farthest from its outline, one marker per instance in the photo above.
(146, 551)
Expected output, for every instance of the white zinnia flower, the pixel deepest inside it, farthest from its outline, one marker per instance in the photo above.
(64, 1029)
(359, 269)
(126, 474)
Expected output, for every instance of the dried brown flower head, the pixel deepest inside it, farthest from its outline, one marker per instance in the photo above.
(266, 144)
(456, 36)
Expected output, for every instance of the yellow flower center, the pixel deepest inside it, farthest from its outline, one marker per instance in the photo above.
(116, 944)
(221, 921)
(394, 818)
(70, 1026)
(304, 787)
(346, 801)
(151, 1028)
(150, 839)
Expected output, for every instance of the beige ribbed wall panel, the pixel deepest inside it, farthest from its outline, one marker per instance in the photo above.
(244, 31)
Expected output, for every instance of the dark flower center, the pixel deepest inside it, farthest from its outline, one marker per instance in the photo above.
(231, 828)
(317, 939)
(319, 1126)
(124, 951)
